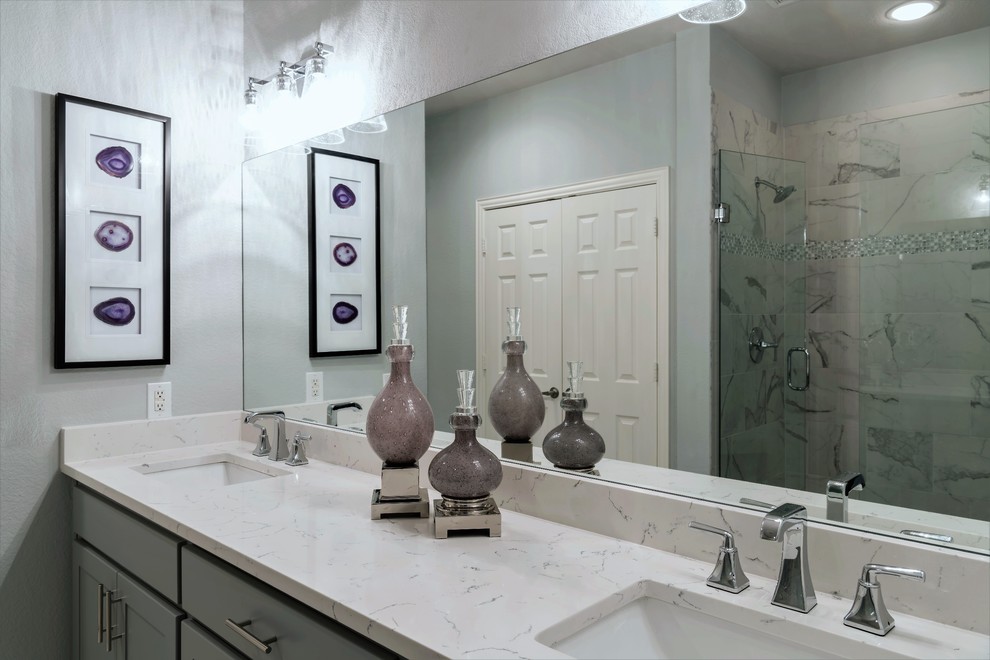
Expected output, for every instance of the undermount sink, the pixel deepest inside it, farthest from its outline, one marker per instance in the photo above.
(653, 620)
(209, 471)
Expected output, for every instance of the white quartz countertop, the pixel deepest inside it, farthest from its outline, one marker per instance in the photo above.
(309, 534)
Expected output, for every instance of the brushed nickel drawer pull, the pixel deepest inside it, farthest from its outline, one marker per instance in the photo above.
(99, 616)
(263, 646)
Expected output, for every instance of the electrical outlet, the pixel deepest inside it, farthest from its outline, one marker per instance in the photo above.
(159, 400)
(314, 386)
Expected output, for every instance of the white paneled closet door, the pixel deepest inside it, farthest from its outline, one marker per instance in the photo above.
(609, 314)
(523, 269)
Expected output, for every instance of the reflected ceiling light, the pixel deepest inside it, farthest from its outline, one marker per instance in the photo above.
(912, 11)
(716, 11)
(373, 125)
(336, 136)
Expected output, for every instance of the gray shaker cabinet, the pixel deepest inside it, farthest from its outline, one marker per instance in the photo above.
(116, 617)
(143, 582)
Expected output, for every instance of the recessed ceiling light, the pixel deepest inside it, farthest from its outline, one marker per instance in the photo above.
(716, 11)
(912, 11)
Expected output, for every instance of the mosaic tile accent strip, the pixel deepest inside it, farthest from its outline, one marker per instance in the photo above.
(869, 246)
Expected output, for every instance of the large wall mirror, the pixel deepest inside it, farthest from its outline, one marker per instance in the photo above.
(850, 288)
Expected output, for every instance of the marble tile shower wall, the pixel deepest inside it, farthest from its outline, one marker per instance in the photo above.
(897, 301)
(756, 445)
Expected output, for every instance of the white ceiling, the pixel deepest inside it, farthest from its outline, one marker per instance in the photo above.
(790, 36)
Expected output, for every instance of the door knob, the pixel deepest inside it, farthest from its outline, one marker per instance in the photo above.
(553, 393)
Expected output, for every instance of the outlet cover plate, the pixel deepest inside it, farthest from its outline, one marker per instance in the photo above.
(159, 400)
(314, 386)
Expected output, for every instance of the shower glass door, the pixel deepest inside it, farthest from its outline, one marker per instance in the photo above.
(762, 275)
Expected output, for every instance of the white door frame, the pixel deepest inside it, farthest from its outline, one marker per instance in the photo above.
(661, 178)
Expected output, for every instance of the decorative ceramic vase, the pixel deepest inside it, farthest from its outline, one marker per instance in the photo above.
(400, 421)
(515, 406)
(465, 471)
(573, 445)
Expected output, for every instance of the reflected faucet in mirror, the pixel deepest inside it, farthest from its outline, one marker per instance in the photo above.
(837, 494)
(335, 408)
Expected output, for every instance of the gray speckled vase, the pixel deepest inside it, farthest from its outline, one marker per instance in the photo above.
(515, 406)
(465, 470)
(400, 421)
(573, 445)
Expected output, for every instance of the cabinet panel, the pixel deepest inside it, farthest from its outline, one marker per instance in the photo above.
(131, 542)
(213, 592)
(195, 643)
(150, 625)
(90, 572)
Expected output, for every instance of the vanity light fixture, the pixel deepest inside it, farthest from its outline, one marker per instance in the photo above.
(717, 11)
(913, 10)
(283, 105)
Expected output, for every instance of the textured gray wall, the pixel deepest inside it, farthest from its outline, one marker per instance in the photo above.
(181, 59)
(923, 71)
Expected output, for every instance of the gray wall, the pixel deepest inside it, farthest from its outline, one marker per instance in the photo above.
(181, 59)
(276, 283)
(743, 76)
(928, 70)
(578, 127)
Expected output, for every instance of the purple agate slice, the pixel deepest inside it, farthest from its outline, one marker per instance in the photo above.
(115, 161)
(344, 312)
(114, 236)
(343, 196)
(344, 254)
(115, 311)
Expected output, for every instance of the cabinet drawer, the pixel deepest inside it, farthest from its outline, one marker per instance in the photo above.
(145, 551)
(195, 643)
(213, 592)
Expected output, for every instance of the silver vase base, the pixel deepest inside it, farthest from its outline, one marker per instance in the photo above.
(588, 470)
(477, 515)
(519, 451)
(392, 507)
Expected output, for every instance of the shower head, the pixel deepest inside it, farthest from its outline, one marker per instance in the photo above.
(783, 192)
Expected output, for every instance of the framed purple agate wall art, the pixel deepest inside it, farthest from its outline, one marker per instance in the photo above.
(344, 266)
(112, 267)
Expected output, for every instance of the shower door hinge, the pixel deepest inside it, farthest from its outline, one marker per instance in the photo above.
(720, 213)
(484, 247)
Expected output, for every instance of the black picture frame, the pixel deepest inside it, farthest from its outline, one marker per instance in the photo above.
(357, 234)
(128, 252)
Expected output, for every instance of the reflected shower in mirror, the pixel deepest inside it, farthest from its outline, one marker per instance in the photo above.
(856, 254)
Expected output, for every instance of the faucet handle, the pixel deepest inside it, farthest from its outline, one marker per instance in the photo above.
(263, 448)
(728, 573)
(297, 449)
(868, 611)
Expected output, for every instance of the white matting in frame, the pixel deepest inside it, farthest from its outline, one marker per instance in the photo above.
(112, 289)
(344, 254)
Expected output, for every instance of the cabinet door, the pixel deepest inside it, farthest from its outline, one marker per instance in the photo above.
(92, 577)
(150, 626)
(196, 643)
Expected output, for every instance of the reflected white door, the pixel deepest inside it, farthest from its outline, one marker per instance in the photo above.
(609, 308)
(522, 269)
(584, 271)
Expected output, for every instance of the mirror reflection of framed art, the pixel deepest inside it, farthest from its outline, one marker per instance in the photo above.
(344, 268)
(112, 266)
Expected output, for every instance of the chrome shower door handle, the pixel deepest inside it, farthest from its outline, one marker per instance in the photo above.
(807, 369)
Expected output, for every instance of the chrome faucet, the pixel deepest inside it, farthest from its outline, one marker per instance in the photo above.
(868, 611)
(728, 573)
(837, 494)
(280, 448)
(333, 408)
(787, 525)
